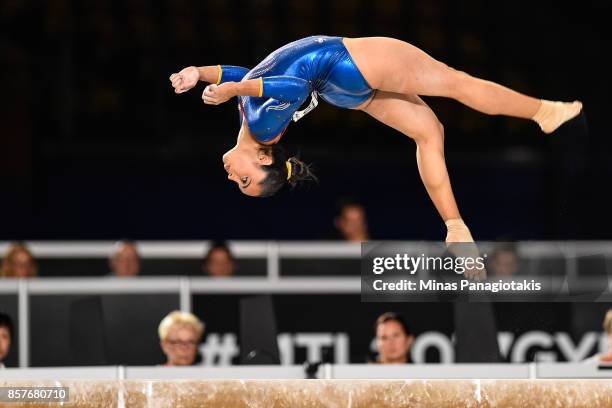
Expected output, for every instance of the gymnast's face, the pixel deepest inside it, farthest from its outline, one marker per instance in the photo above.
(243, 165)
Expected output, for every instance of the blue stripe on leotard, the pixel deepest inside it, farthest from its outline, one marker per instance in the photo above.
(318, 64)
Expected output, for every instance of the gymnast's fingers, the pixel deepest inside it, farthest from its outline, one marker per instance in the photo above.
(208, 100)
(208, 93)
(177, 80)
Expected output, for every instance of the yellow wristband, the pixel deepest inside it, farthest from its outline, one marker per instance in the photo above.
(220, 73)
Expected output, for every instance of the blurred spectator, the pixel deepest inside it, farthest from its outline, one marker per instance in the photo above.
(350, 222)
(6, 335)
(124, 259)
(504, 261)
(18, 263)
(393, 339)
(179, 335)
(219, 261)
(607, 357)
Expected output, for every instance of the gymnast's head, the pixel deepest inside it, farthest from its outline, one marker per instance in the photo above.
(262, 170)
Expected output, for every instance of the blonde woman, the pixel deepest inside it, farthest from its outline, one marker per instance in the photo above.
(179, 335)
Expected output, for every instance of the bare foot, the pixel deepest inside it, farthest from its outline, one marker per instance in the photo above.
(551, 114)
(468, 255)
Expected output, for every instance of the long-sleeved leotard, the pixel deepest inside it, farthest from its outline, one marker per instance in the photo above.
(318, 65)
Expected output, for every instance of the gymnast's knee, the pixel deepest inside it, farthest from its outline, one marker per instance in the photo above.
(438, 130)
(431, 134)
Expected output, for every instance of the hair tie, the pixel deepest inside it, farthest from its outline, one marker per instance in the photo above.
(288, 163)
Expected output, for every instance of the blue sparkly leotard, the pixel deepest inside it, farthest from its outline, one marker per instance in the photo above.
(317, 65)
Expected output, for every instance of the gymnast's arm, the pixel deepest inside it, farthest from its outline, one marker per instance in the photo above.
(188, 77)
(283, 88)
(218, 74)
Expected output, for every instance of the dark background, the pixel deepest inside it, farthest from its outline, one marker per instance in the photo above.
(95, 145)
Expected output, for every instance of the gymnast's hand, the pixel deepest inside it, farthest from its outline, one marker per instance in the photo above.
(185, 80)
(216, 94)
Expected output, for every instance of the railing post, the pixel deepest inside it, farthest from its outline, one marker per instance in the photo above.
(24, 323)
(273, 261)
(185, 294)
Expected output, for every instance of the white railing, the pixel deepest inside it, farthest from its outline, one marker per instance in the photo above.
(325, 371)
(184, 287)
(195, 249)
(275, 251)
(285, 249)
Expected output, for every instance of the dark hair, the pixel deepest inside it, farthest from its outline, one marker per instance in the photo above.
(6, 321)
(347, 202)
(221, 245)
(392, 317)
(276, 173)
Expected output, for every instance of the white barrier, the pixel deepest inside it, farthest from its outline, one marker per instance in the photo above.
(61, 373)
(285, 249)
(326, 371)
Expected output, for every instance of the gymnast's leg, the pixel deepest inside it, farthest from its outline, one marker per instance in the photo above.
(411, 116)
(396, 66)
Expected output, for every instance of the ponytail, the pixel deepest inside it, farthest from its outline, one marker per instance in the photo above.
(284, 170)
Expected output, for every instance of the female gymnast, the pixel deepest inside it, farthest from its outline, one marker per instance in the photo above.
(380, 76)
